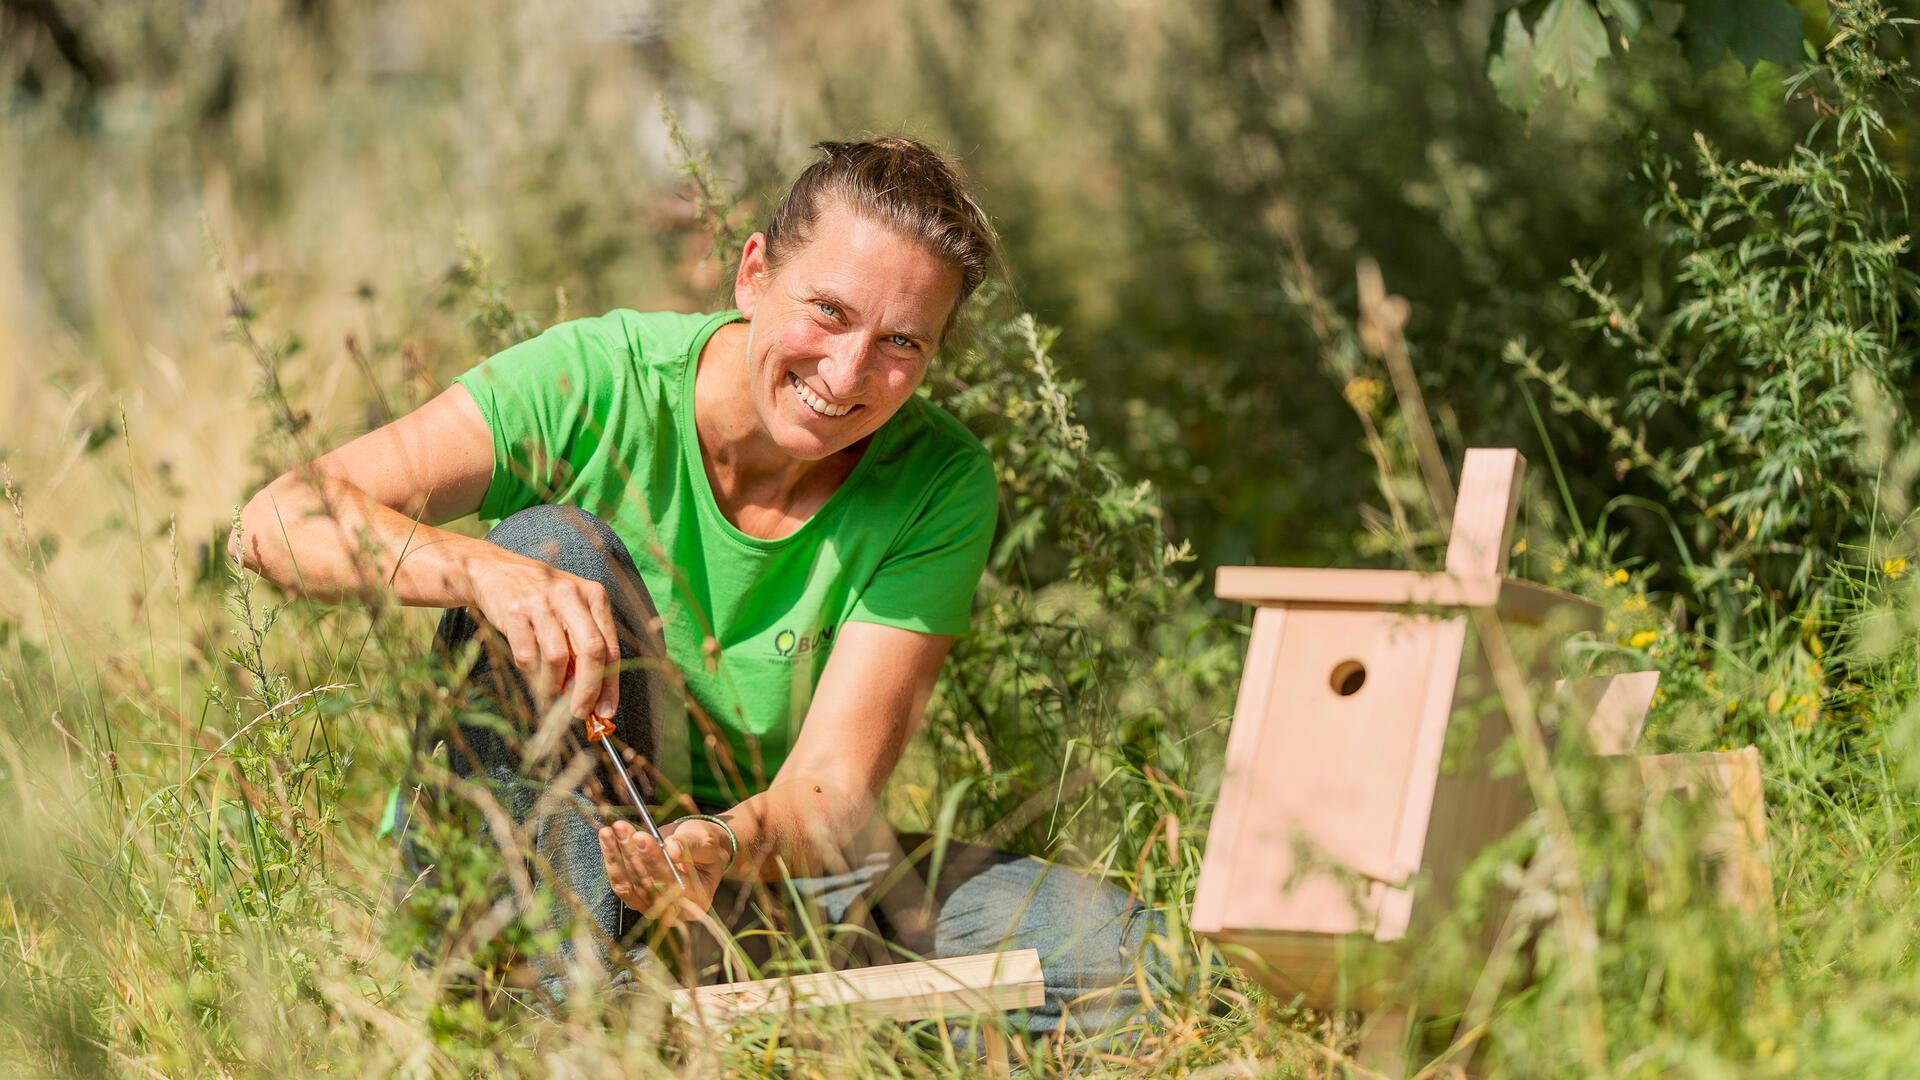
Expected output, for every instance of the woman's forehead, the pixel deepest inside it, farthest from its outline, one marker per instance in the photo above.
(869, 266)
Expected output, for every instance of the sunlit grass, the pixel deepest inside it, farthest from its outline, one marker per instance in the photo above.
(266, 237)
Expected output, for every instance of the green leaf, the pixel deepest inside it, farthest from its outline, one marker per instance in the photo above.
(1568, 41)
(1627, 14)
(1754, 29)
(1511, 69)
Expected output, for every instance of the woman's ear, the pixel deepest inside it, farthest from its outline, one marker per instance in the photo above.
(751, 278)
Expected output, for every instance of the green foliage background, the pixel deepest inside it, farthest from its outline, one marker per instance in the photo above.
(1662, 248)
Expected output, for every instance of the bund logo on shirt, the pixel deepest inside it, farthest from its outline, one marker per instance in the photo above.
(789, 644)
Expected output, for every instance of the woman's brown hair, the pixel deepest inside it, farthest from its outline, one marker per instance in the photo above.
(898, 182)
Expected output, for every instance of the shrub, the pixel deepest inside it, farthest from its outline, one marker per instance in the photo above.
(1790, 315)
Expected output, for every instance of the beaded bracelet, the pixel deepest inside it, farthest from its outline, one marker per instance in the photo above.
(732, 840)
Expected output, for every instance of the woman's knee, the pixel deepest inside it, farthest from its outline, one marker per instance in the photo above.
(580, 543)
(565, 537)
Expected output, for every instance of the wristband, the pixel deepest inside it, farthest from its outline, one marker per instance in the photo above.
(732, 840)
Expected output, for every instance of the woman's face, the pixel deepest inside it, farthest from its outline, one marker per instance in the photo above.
(841, 334)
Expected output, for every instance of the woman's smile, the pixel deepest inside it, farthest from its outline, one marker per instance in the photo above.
(817, 404)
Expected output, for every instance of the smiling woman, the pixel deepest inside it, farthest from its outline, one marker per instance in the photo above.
(750, 513)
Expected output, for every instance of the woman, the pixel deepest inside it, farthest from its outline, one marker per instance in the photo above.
(808, 529)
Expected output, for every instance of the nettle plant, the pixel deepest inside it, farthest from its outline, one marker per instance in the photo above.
(1788, 319)
(1090, 697)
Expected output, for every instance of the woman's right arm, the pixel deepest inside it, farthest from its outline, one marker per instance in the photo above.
(346, 522)
(363, 517)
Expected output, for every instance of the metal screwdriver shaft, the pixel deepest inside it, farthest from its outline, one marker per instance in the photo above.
(597, 732)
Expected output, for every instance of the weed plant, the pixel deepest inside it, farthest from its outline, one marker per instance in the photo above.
(191, 880)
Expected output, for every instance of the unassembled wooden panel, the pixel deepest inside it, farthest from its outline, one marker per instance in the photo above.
(1306, 966)
(1238, 790)
(1483, 514)
(1610, 710)
(1322, 971)
(1471, 806)
(1314, 805)
(1393, 908)
(1727, 785)
(987, 983)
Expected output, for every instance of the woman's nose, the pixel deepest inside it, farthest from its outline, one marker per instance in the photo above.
(844, 368)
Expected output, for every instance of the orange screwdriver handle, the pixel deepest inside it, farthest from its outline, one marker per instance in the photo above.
(597, 728)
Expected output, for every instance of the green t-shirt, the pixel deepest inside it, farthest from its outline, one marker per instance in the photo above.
(598, 413)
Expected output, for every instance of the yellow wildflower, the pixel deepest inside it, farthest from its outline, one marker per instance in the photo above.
(1643, 639)
(1618, 577)
(1733, 706)
(1557, 565)
(1894, 567)
(1520, 546)
(1636, 602)
(1776, 699)
(1362, 393)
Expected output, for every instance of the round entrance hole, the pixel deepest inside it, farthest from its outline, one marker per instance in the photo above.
(1348, 677)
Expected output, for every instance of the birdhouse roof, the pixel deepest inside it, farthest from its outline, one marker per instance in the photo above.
(1523, 601)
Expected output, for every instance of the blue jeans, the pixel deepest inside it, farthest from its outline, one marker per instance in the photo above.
(897, 897)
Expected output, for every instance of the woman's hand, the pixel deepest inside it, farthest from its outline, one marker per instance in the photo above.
(637, 869)
(558, 626)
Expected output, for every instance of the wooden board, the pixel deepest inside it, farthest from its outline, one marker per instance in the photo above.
(1728, 785)
(1393, 907)
(1304, 966)
(986, 983)
(1213, 898)
(1483, 514)
(1610, 710)
(1472, 803)
(1329, 972)
(1522, 601)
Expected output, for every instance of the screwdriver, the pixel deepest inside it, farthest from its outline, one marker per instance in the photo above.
(597, 732)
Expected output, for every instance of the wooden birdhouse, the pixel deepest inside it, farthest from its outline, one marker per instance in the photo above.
(1363, 771)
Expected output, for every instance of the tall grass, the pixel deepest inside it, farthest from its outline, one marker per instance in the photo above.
(216, 267)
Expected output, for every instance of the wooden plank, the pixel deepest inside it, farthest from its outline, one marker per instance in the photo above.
(1514, 599)
(986, 983)
(1329, 972)
(1611, 709)
(1474, 804)
(1294, 965)
(1394, 911)
(1242, 778)
(1375, 588)
(1483, 514)
(1728, 785)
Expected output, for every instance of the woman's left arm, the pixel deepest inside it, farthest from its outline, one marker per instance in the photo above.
(866, 705)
